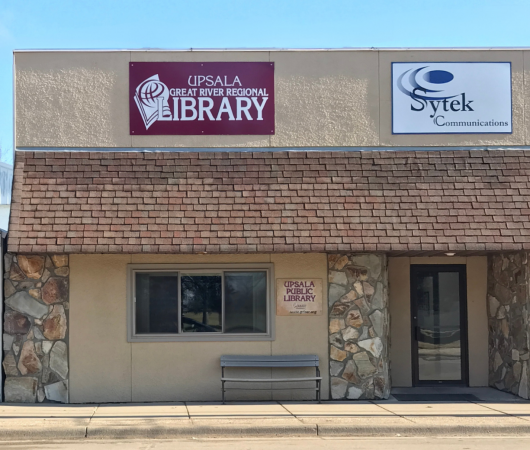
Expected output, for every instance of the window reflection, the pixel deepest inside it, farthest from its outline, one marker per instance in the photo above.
(156, 303)
(438, 327)
(201, 303)
(245, 302)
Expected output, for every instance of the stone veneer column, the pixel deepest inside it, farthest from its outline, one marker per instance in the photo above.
(358, 326)
(35, 328)
(509, 327)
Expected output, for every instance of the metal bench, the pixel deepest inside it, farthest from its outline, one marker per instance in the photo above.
(288, 361)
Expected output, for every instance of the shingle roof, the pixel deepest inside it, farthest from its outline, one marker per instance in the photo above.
(228, 202)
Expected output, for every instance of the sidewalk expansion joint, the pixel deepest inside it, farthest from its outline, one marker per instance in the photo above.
(392, 412)
(90, 420)
(499, 411)
(292, 415)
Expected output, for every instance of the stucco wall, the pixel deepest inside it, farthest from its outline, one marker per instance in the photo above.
(104, 367)
(400, 320)
(322, 98)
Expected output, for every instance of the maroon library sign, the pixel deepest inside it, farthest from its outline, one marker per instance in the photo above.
(201, 98)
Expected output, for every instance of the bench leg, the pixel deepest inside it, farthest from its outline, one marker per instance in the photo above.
(223, 385)
(318, 385)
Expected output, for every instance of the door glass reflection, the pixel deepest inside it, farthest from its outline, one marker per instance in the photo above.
(438, 326)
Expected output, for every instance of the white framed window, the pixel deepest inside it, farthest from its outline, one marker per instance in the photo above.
(188, 302)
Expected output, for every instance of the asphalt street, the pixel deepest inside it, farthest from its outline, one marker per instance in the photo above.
(395, 443)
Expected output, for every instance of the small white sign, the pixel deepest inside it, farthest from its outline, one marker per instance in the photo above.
(457, 98)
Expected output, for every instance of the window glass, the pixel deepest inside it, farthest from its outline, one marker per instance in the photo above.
(156, 303)
(216, 301)
(201, 303)
(245, 302)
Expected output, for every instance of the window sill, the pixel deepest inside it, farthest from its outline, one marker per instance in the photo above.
(196, 337)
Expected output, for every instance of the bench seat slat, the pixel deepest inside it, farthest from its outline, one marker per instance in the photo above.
(270, 357)
(297, 356)
(270, 380)
(270, 364)
(271, 389)
(269, 361)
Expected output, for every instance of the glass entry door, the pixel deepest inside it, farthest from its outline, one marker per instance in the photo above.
(439, 324)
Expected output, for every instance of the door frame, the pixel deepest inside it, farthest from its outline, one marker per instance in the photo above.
(416, 269)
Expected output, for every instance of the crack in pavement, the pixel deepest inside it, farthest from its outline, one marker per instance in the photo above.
(292, 415)
(502, 412)
(392, 412)
(90, 420)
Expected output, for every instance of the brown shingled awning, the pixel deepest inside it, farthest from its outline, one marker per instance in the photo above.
(246, 202)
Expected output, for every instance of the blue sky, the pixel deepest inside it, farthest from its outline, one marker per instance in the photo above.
(250, 23)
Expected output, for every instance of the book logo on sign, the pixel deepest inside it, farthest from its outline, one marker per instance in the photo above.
(152, 97)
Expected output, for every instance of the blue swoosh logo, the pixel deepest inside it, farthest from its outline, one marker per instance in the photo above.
(412, 79)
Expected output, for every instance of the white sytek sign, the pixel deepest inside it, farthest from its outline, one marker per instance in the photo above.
(448, 97)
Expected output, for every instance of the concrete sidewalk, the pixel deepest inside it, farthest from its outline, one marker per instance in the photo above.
(274, 419)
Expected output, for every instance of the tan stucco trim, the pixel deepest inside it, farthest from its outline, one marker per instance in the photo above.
(104, 367)
(399, 307)
(477, 273)
(100, 356)
(322, 98)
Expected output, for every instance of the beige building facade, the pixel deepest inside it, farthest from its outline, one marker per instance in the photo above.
(172, 364)
(418, 240)
(330, 98)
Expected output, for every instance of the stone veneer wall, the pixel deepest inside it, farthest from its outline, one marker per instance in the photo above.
(35, 337)
(509, 327)
(358, 326)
